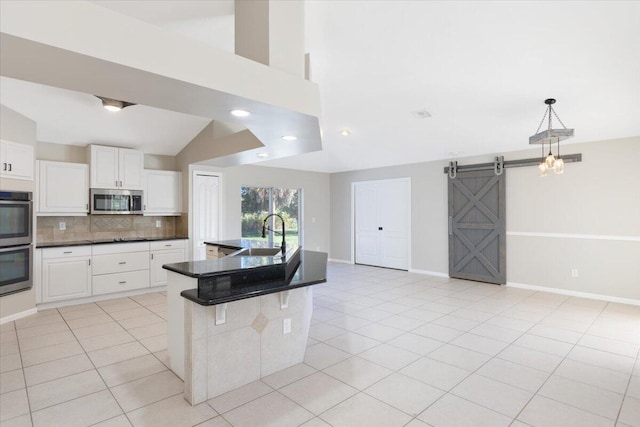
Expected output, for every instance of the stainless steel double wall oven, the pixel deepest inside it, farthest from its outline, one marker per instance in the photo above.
(16, 241)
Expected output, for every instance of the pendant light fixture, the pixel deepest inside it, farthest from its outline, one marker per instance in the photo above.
(550, 136)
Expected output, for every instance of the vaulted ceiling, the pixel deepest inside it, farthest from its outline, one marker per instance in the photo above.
(481, 69)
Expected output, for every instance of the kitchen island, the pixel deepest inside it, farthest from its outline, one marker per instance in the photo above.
(234, 320)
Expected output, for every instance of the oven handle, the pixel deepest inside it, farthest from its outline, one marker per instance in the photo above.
(16, 248)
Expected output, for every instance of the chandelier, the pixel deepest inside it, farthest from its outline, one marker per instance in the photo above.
(550, 136)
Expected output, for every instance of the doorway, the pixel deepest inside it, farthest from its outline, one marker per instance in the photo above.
(382, 223)
(206, 211)
(259, 202)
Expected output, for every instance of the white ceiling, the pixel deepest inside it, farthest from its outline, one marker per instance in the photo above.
(76, 118)
(482, 69)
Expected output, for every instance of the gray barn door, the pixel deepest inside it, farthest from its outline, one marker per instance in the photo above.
(477, 232)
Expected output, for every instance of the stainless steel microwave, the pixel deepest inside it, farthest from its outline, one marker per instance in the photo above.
(15, 218)
(116, 202)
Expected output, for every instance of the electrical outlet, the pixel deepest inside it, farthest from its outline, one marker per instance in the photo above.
(158, 223)
(62, 225)
(286, 326)
(574, 272)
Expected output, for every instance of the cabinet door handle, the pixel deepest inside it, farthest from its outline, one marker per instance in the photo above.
(116, 183)
(168, 246)
(122, 283)
(87, 206)
(9, 167)
(89, 261)
(379, 228)
(122, 262)
(151, 256)
(121, 184)
(144, 207)
(4, 166)
(68, 252)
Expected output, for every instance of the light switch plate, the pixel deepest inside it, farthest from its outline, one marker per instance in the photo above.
(286, 326)
(62, 225)
(158, 223)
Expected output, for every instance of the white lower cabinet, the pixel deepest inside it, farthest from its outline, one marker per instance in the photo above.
(120, 267)
(66, 273)
(120, 263)
(72, 272)
(118, 282)
(166, 252)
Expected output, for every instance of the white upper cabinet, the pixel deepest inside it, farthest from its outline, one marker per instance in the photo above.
(162, 192)
(17, 160)
(130, 169)
(62, 188)
(116, 168)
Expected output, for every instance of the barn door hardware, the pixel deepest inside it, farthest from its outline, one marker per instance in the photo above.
(569, 158)
(452, 169)
(498, 165)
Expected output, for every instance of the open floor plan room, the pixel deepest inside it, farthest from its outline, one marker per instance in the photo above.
(386, 348)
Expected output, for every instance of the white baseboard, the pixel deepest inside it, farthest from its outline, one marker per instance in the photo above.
(16, 316)
(575, 293)
(340, 261)
(57, 304)
(430, 273)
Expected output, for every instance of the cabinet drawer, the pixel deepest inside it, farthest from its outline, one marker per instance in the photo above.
(167, 244)
(108, 283)
(66, 252)
(118, 248)
(120, 263)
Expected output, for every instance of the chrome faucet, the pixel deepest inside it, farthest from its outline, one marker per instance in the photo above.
(265, 228)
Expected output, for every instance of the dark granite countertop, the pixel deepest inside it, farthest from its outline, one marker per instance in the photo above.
(312, 270)
(240, 243)
(103, 241)
(229, 264)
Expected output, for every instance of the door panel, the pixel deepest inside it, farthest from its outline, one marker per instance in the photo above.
(382, 223)
(477, 232)
(395, 224)
(206, 209)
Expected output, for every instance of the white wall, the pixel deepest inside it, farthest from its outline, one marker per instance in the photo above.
(599, 196)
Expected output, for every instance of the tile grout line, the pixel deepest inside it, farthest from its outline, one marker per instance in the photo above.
(494, 356)
(555, 369)
(625, 395)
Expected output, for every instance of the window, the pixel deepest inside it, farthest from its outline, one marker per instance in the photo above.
(259, 202)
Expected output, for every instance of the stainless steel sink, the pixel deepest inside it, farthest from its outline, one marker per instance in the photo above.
(258, 252)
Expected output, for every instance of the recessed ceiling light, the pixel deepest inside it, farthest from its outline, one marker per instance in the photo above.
(289, 137)
(421, 114)
(345, 132)
(240, 113)
(263, 154)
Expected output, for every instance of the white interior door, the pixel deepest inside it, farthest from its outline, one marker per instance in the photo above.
(367, 224)
(382, 223)
(206, 211)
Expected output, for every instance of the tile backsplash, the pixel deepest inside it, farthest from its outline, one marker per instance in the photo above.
(98, 227)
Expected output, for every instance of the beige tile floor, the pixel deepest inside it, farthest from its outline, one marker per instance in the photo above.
(386, 348)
